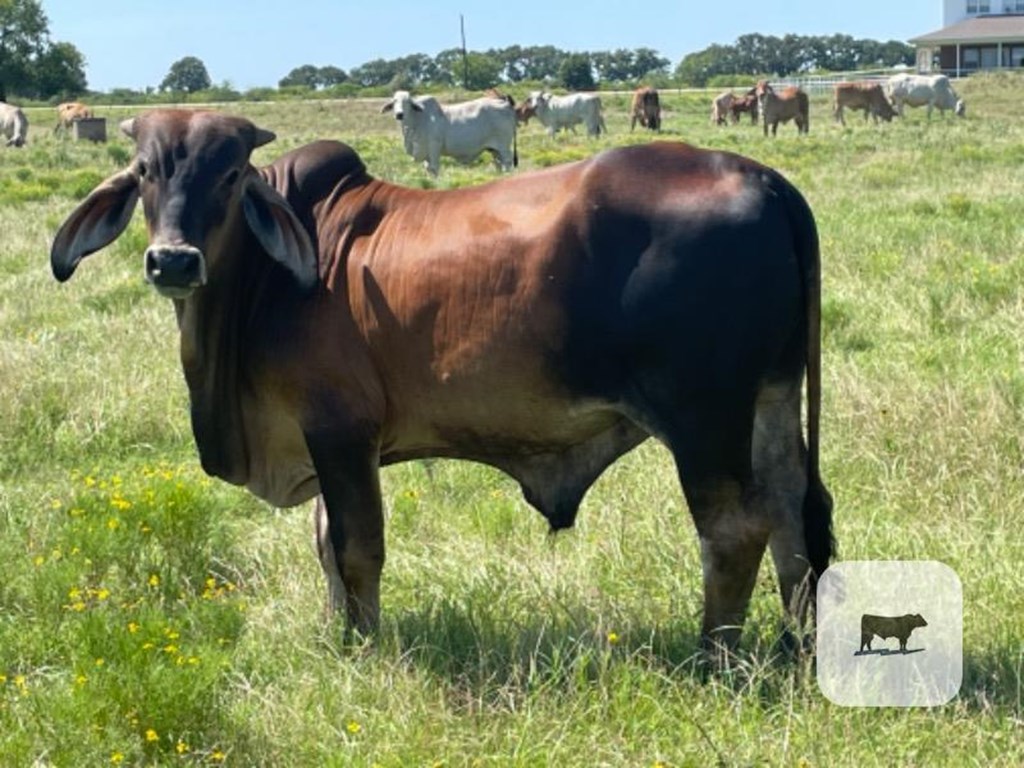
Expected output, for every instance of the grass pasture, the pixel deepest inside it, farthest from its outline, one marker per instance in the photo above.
(152, 616)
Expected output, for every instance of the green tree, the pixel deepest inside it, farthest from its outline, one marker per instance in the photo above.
(696, 69)
(374, 73)
(23, 34)
(576, 72)
(59, 69)
(328, 76)
(647, 62)
(188, 74)
(614, 66)
(306, 76)
(541, 62)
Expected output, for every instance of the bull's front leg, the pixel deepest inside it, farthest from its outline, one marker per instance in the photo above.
(349, 526)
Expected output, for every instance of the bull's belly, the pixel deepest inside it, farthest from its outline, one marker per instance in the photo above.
(496, 430)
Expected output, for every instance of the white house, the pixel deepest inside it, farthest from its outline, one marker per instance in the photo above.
(976, 34)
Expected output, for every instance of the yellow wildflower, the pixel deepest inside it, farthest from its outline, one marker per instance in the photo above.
(133, 627)
(181, 747)
(152, 735)
(154, 580)
(613, 638)
(117, 758)
(113, 523)
(38, 560)
(353, 727)
(217, 756)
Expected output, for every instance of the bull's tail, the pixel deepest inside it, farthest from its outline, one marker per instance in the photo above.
(515, 144)
(817, 509)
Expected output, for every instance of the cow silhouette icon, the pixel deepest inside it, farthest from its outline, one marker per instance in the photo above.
(885, 627)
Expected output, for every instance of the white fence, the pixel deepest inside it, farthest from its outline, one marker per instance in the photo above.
(817, 84)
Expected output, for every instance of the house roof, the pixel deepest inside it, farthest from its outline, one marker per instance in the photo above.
(1004, 27)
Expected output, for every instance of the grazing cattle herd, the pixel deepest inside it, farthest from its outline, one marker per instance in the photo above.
(464, 131)
(545, 324)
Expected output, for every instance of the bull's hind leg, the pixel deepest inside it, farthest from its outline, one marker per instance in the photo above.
(712, 452)
(780, 482)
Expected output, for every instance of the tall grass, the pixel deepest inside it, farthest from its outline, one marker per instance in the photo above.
(151, 616)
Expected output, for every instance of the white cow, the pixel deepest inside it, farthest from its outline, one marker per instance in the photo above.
(13, 124)
(922, 90)
(461, 131)
(557, 112)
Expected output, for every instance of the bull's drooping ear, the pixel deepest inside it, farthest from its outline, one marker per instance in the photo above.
(128, 127)
(279, 231)
(388, 107)
(96, 222)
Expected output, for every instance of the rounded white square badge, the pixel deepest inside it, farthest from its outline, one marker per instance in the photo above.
(889, 633)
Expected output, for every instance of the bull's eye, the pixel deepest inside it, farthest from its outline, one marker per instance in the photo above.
(231, 178)
(141, 166)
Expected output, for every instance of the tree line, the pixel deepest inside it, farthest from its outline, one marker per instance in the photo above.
(35, 67)
(755, 54)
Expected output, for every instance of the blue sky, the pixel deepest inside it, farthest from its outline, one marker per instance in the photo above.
(132, 43)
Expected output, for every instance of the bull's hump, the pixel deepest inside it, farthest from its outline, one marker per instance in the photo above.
(315, 169)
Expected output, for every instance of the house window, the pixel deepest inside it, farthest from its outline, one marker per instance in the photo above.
(969, 58)
(1013, 55)
(978, 6)
(1018, 6)
(989, 58)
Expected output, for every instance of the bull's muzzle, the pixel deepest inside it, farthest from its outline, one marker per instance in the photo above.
(175, 270)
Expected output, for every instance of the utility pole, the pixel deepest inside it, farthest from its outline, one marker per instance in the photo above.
(465, 56)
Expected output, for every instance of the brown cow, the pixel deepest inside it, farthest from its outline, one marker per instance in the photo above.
(524, 112)
(788, 104)
(646, 108)
(69, 112)
(720, 107)
(866, 96)
(332, 323)
(744, 103)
